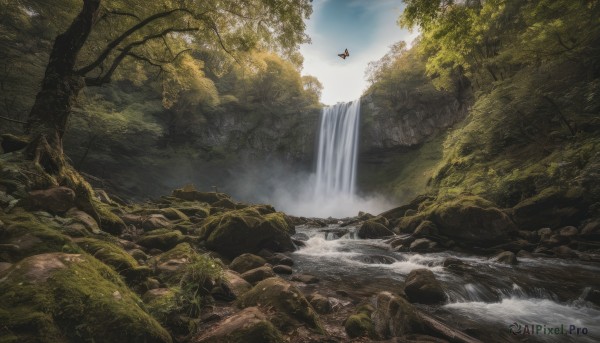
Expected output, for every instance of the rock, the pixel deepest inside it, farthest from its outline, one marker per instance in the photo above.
(291, 306)
(245, 262)
(371, 229)
(505, 257)
(247, 231)
(426, 228)
(190, 194)
(568, 231)
(545, 231)
(305, 278)
(55, 200)
(236, 284)
(320, 303)
(472, 219)
(593, 296)
(115, 257)
(564, 251)
(360, 323)
(77, 291)
(423, 244)
(591, 229)
(452, 261)
(161, 240)
(394, 316)
(553, 241)
(421, 286)
(279, 258)
(249, 325)
(147, 222)
(138, 254)
(553, 207)
(85, 219)
(258, 274)
(282, 269)
(524, 254)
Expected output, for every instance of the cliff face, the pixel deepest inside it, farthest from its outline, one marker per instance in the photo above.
(411, 123)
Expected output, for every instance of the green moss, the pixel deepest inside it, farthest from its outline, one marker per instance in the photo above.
(109, 221)
(182, 250)
(162, 240)
(30, 236)
(359, 325)
(114, 256)
(66, 298)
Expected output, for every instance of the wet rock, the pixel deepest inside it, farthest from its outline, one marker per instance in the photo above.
(291, 306)
(258, 274)
(246, 262)
(524, 254)
(421, 286)
(593, 296)
(371, 229)
(423, 244)
(506, 257)
(360, 323)
(452, 261)
(564, 251)
(305, 278)
(106, 310)
(247, 326)
(320, 303)
(279, 258)
(55, 200)
(472, 219)
(402, 241)
(282, 269)
(247, 231)
(426, 228)
(300, 236)
(375, 259)
(394, 316)
(568, 231)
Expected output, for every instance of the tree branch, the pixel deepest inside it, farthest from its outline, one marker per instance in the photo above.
(126, 51)
(112, 45)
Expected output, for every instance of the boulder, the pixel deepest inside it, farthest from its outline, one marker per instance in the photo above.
(421, 286)
(85, 219)
(568, 231)
(147, 222)
(305, 278)
(249, 325)
(394, 316)
(452, 261)
(564, 251)
(423, 244)
(505, 257)
(291, 306)
(75, 298)
(320, 303)
(360, 323)
(372, 229)
(279, 258)
(55, 200)
(553, 206)
(282, 269)
(246, 231)
(245, 262)
(591, 230)
(425, 229)
(161, 240)
(258, 274)
(236, 284)
(114, 256)
(471, 219)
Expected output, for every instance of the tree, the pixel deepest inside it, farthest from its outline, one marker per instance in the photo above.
(145, 34)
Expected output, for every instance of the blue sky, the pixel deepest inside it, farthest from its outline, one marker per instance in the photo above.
(366, 27)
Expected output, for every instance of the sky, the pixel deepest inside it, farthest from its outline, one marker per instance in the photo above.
(366, 28)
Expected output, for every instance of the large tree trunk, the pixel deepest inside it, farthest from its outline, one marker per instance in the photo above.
(50, 113)
(60, 87)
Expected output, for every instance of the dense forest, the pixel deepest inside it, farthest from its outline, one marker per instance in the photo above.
(482, 134)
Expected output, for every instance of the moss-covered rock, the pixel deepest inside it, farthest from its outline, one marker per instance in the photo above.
(61, 297)
(472, 219)
(56, 200)
(109, 221)
(148, 222)
(235, 283)
(113, 255)
(421, 286)
(161, 240)
(247, 231)
(373, 229)
(24, 234)
(245, 262)
(359, 325)
(287, 300)
(258, 274)
(394, 316)
(247, 326)
(190, 194)
(84, 219)
(554, 207)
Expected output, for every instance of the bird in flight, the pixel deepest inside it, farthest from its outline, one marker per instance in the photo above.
(345, 54)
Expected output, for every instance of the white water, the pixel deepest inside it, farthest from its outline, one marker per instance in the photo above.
(337, 151)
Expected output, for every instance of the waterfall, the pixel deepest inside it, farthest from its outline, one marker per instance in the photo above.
(337, 151)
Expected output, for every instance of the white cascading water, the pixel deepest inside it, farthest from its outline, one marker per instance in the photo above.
(337, 151)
